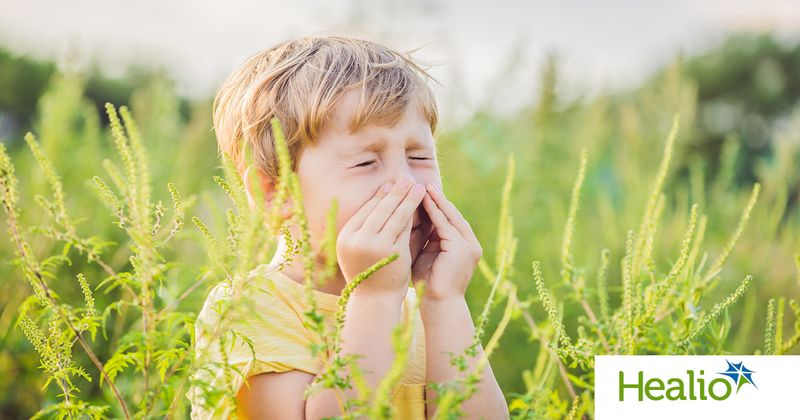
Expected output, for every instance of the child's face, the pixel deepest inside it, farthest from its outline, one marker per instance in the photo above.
(351, 167)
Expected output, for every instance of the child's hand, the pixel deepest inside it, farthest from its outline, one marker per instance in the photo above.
(448, 260)
(380, 228)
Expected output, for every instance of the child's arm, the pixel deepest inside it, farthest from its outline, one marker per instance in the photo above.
(369, 321)
(381, 227)
(449, 328)
(446, 265)
(275, 395)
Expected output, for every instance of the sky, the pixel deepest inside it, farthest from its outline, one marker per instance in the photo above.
(471, 44)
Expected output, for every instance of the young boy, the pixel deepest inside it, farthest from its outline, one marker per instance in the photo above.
(359, 120)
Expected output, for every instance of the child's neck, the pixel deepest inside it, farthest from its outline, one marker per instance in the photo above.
(295, 270)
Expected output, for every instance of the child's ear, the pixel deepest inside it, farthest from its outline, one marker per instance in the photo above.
(267, 191)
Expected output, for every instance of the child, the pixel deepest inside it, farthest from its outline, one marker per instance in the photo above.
(359, 120)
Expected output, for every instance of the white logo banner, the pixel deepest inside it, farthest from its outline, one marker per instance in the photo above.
(697, 387)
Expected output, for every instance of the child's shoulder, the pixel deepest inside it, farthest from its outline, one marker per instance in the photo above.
(266, 289)
(238, 294)
(254, 279)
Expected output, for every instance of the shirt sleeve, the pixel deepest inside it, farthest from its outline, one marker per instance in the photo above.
(244, 334)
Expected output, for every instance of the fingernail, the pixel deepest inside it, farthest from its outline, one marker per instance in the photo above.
(432, 186)
(418, 189)
(387, 187)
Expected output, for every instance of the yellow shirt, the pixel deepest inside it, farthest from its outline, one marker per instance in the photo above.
(270, 314)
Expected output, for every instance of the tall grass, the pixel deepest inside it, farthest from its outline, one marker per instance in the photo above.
(600, 247)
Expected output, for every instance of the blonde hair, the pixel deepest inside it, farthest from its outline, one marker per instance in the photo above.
(299, 81)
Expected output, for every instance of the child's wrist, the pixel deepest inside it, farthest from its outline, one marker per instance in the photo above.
(437, 307)
(381, 297)
(441, 298)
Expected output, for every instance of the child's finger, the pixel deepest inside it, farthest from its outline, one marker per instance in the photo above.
(403, 216)
(357, 220)
(444, 228)
(405, 233)
(386, 207)
(451, 212)
(427, 255)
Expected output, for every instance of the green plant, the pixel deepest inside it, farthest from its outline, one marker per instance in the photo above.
(133, 273)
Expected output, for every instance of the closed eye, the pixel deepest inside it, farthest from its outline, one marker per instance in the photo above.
(367, 163)
(370, 162)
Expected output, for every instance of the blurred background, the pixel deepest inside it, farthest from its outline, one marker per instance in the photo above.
(534, 79)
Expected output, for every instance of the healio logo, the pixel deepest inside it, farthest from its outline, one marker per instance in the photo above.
(693, 386)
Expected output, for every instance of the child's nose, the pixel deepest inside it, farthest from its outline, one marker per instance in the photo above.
(418, 217)
(409, 179)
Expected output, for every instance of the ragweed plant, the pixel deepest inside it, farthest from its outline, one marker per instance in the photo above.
(113, 338)
(658, 309)
(152, 348)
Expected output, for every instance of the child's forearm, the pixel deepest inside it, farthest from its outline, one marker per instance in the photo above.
(367, 330)
(449, 328)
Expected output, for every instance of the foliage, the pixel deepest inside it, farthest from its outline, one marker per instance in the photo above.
(655, 254)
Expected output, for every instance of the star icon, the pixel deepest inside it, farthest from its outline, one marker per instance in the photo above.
(740, 374)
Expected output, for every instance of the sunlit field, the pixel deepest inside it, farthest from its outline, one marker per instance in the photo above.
(660, 220)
